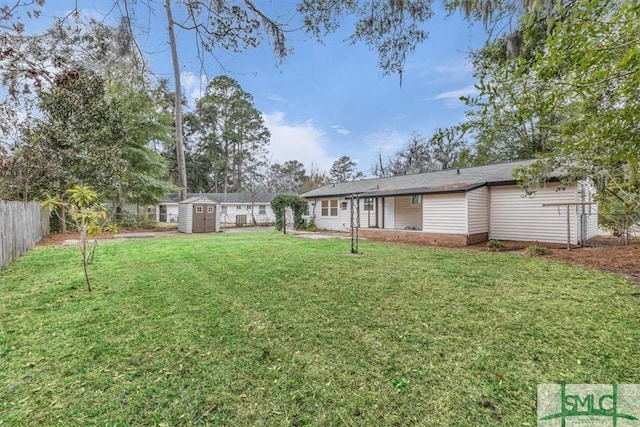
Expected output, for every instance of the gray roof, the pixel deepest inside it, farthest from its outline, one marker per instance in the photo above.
(446, 181)
(230, 198)
(198, 199)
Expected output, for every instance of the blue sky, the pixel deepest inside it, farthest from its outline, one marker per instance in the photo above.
(325, 100)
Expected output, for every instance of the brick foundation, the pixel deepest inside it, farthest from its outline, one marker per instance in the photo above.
(434, 239)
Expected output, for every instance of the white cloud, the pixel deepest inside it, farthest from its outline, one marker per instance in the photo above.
(452, 97)
(275, 98)
(297, 141)
(455, 68)
(193, 86)
(385, 141)
(341, 130)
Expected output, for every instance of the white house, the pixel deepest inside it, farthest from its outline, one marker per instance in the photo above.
(458, 207)
(235, 209)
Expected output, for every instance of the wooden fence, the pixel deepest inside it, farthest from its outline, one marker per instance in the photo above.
(22, 225)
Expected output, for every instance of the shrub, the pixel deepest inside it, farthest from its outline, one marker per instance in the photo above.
(311, 224)
(495, 245)
(128, 220)
(537, 250)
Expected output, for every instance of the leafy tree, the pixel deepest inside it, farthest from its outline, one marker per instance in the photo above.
(79, 137)
(29, 63)
(285, 178)
(503, 120)
(313, 179)
(575, 78)
(142, 180)
(344, 169)
(591, 74)
(230, 134)
(86, 215)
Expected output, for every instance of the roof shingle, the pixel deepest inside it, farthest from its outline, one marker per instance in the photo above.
(446, 181)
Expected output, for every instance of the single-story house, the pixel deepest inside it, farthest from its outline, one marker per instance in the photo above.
(235, 209)
(458, 207)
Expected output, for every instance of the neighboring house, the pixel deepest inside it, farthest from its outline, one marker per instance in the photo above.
(457, 207)
(236, 209)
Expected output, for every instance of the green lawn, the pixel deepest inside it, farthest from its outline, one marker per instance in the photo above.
(265, 329)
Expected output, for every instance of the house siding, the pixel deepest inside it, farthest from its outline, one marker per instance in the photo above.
(407, 215)
(341, 222)
(478, 211)
(444, 213)
(229, 218)
(173, 212)
(516, 217)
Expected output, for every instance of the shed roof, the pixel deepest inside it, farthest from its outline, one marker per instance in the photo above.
(446, 181)
(228, 198)
(198, 199)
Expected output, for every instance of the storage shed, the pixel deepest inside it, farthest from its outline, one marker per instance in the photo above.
(198, 215)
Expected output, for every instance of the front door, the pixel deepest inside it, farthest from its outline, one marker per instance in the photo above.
(204, 218)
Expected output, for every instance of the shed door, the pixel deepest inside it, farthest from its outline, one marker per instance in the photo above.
(204, 218)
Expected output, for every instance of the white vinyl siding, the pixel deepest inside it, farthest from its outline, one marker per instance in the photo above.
(478, 211)
(229, 212)
(520, 218)
(340, 222)
(406, 214)
(444, 213)
(173, 212)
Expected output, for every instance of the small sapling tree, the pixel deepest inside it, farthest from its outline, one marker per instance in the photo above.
(87, 216)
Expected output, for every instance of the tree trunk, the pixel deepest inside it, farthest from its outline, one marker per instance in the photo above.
(182, 167)
(63, 223)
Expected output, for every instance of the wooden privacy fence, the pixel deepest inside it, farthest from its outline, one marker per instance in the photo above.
(22, 225)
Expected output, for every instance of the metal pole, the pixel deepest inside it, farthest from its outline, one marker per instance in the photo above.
(284, 221)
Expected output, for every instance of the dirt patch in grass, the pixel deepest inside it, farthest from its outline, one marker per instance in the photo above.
(54, 239)
(617, 259)
(604, 253)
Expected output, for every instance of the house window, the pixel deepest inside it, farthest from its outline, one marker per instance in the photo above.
(224, 210)
(343, 206)
(329, 207)
(368, 204)
(306, 209)
(198, 209)
(416, 200)
(210, 209)
(262, 210)
(239, 207)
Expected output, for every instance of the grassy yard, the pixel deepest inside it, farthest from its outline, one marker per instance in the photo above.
(264, 329)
